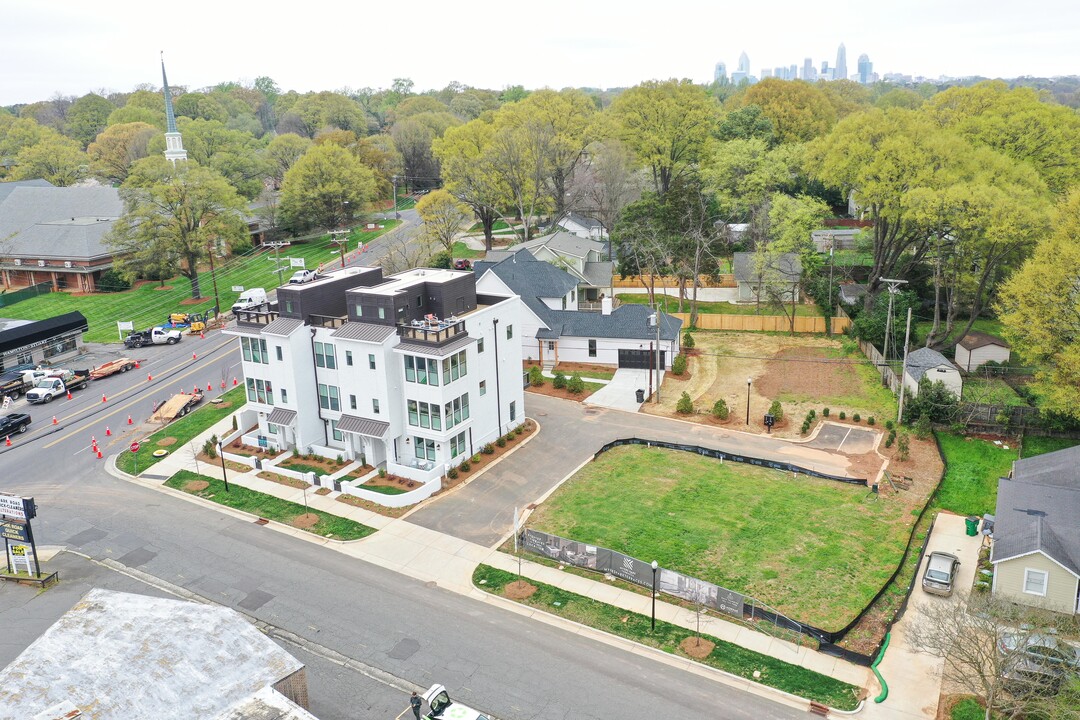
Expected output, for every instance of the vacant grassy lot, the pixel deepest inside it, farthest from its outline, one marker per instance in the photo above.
(1039, 445)
(270, 507)
(921, 329)
(990, 391)
(671, 304)
(182, 430)
(815, 549)
(150, 303)
(669, 638)
(974, 466)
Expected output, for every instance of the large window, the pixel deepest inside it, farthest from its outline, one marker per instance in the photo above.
(328, 397)
(425, 449)
(324, 355)
(254, 350)
(260, 391)
(457, 445)
(422, 414)
(59, 347)
(509, 332)
(1035, 581)
(454, 367)
(456, 411)
(419, 370)
(337, 434)
(513, 411)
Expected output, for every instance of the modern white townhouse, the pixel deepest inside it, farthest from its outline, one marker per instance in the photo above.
(413, 372)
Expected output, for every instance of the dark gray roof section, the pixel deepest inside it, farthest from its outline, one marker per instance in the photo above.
(282, 326)
(599, 274)
(627, 322)
(924, 359)
(6, 188)
(851, 293)
(425, 349)
(58, 223)
(787, 264)
(364, 332)
(362, 426)
(975, 339)
(1034, 516)
(1061, 468)
(281, 416)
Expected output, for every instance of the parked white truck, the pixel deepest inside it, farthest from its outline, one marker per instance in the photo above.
(153, 336)
(250, 299)
(56, 384)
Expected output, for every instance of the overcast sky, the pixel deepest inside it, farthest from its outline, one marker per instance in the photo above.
(77, 47)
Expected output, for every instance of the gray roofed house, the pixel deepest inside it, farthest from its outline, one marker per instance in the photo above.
(583, 226)
(935, 367)
(788, 267)
(56, 234)
(976, 349)
(1036, 550)
(585, 259)
(852, 293)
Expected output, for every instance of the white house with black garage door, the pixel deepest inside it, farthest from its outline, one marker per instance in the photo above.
(554, 330)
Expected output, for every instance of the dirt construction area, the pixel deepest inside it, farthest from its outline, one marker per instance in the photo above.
(803, 372)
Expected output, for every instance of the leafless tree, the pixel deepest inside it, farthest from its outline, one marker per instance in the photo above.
(605, 183)
(405, 253)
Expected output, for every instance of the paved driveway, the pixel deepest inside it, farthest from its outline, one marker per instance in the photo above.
(482, 511)
(845, 438)
(620, 392)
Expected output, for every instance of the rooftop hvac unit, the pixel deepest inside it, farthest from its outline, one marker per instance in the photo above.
(67, 263)
(41, 263)
(18, 261)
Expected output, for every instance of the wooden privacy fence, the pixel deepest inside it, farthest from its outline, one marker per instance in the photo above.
(638, 281)
(762, 323)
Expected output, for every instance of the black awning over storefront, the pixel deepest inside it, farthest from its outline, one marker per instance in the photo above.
(40, 332)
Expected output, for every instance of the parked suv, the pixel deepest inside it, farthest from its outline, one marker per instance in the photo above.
(940, 574)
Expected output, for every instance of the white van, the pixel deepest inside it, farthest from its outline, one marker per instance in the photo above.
(249, 299)
(443, 708)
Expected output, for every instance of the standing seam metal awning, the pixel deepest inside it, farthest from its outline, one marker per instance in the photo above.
(362, 426)
(281, 416)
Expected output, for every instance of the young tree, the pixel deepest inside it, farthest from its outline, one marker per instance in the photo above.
(605, 183)
(443, 216)
(325, 188)
(179, 213)
(469, 170)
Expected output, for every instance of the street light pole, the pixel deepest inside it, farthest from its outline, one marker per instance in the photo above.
(748, 381)
(213, 277)
(224, 474)
(654, 567)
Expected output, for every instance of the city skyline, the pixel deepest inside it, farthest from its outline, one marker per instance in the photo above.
(488, 45)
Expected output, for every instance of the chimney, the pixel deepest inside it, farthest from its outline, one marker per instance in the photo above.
(605, 306)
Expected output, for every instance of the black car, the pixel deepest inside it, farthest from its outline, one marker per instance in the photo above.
(13, 423)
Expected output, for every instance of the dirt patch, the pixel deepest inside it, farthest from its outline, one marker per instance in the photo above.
(323, 491)
(282, 480)
(216, 462)
(164, 287)
(519, 590)
(815, 378)
(195, 301)
(166, 442)
(696, 647)
(305, 521)
(194, 486)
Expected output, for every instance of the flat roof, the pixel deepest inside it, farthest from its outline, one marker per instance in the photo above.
(409, 279)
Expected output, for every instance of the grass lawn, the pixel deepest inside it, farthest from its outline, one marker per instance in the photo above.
(670, 304)
(817, 550)
(464, 252)
(667, 637)
(499, 225)
(1039, 445)
(990, 391)
(183, 430)
(921, 329)
(304, 468)
(385, 489)
(270, 507)
(148, 305)
(974, 466)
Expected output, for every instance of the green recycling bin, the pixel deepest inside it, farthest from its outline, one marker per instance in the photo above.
(972, 526)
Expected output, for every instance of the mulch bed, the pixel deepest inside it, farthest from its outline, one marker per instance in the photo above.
(518, 590)
(305, 521)
(392, 512)
(195, 486)
(166, 442)
(282, 480)
(547, 389)
(330, 466)
(696, 647)
(392, 481)
(323, 491)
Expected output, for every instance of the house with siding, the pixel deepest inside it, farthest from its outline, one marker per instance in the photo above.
(787, 272)
(555, 329)
(1036, 541)
(935, 367)
(412, 372)
(976, 349)
(583, 258)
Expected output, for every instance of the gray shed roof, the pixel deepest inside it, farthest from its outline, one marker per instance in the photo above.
(923, 360)
(583, 221)
(282, 326)
(364, 332)
(787, 264)
(281, 416)
(599, 274)
(363, 426)
(427, 349)
(58, 223)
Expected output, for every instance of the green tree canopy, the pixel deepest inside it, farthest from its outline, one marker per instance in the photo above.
(317, 187)
(87, 117)
(115, 149)
(798, 110)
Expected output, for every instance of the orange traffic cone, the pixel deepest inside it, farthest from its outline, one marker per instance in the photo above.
(129, 420)
(194, 356)
(103, 398)
(202, 336)
(195, 391)
(149, 377)
(222, 384)
(136, 364)
(69, 394)
(99, 454)
(8, 441)
(54, 420)
(209, 387)
(234, 382)
(108, 432)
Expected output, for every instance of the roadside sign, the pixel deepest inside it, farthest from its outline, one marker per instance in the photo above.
(121, 326)
(238, 288)
(11, 530)
(297, 262)
(17, 507)
(134, 447)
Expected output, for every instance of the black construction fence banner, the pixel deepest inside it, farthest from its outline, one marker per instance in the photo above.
(734, 457)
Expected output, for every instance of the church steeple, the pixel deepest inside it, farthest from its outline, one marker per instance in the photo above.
(174, 145)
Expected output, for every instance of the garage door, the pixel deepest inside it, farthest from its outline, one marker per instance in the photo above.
(640, 359)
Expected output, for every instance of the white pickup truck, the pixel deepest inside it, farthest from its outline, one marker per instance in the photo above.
(57, 383)
(153, 336)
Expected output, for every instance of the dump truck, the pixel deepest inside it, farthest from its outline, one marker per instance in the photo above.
(153, 336)
(57, 383)
(178, 405)
(120, 365)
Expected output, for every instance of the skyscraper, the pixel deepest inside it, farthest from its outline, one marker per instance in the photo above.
(743, 73)
(866, 70)
(174, 145)
(840, 71)
(809, 72)
(720, 73)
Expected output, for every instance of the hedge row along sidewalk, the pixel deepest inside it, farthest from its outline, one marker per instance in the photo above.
(239, 497)
(183, 430)
(668, 637)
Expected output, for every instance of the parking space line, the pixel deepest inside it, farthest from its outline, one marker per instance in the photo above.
(844, 439)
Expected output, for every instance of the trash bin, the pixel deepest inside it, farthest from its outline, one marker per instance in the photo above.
(972, 526)
(640, 395)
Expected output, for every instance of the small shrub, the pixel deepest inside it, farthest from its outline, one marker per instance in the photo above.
(488, 449)
(889, 424)
(382, 472)
(559, 382)
(536, 376)
(340, 460)
(236, 443)
(519, 429)
(805, 427)
(719, 410)
(296, 452)
(575, 384)
(678, 366)
(688, 340)
(843, 415)
(685, 406)
(777, 410)
(870, 420)
(812, 414)
(825, 412)
(476, 459)
(856, 417)
(452, 474)
(501, 441)
(210, 448)
(465, 466)
(903, 447)
(889, 441)
(923, 428)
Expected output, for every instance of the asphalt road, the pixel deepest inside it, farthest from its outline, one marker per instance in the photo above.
(398, 633)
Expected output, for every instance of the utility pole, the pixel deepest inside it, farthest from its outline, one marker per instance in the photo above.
(277, 258)
(213, 277)
(894, 287)
(395, 196)
(831, 265)
(903, 369)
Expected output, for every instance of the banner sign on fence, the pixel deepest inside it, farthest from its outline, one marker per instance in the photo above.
(639, 572)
